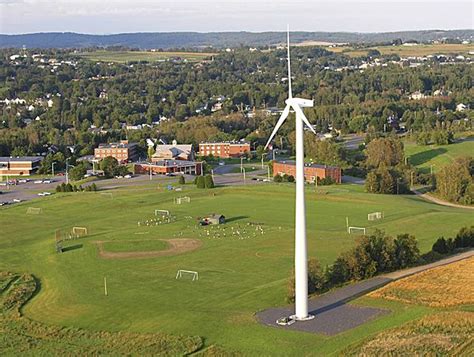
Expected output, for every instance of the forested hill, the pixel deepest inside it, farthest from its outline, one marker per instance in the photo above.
(216, 39)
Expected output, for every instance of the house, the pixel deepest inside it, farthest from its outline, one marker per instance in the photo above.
(174, 151)
(168, 167)
(19, 166)
(122, 151)
(213, 219)
(311, 171)
(224, 150)
(417, 96)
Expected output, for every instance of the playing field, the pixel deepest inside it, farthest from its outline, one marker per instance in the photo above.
(436, 156)
(136, 56)
(239, 273)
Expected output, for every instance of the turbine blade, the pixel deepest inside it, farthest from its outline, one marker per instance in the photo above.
(301, 115)
(280, 121)
(290, 91)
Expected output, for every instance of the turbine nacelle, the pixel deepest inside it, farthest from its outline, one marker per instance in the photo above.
(300, 102)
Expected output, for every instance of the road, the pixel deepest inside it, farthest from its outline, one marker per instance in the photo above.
(438, 201)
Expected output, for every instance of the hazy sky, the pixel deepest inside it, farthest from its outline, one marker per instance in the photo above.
(113, 16)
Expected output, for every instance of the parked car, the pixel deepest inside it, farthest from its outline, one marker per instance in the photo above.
(23, 181)
(47, 181)
(3, 203)
(128, 176)
(16, 200)
(285, 321)
(38, 181)
(44, 194)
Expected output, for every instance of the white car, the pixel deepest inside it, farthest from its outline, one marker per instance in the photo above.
(16, 200)
(23, 181)
(47, 181)
(38, 181)
(44, 193)
(128, 176)
(221, 163)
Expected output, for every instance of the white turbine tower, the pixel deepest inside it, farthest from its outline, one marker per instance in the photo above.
(301, 254)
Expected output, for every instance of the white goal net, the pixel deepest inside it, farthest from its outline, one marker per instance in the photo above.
(33, 210)
(184, 199)
(162, 212)
(79, 232)
(375, 216)
(356, 230)
(190, 273)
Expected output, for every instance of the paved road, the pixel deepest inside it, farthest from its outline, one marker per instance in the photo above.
(332, 313)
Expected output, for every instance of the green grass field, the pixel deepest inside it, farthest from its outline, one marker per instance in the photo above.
(406, 51)
(129, 56)
(423, 156)
(135, 246)
(238, 275)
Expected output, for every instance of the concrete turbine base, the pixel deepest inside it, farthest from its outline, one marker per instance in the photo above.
(307, 318)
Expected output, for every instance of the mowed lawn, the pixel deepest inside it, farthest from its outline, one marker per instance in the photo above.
(424, 156)
(238, 275)
(129, 56)
(407, 51)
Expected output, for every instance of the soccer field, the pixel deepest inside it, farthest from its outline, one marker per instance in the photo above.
(130, 56)
(239, 273)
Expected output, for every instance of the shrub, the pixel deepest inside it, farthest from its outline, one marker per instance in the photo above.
(181, 180)
(277, 178)
(208, 181)
(326, 181)
(291, 178)
(93, 187)
(200, 182)
(441, 246)
(316, 280)
(406, 251)
(465, 238)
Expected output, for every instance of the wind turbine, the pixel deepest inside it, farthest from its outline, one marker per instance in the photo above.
(301, 254)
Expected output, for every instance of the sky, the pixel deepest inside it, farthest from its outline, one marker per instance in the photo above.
(118, 16)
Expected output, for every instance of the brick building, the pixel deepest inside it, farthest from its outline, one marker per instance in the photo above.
(122, 151)
(224, 150)
(311, 171)
(19, 166)
(164, 167)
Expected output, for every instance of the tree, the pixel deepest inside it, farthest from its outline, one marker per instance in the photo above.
(388, 151)
(109, 165)
(406, 251)
(181, 180)
(372, 182)
(78, 172)
(454, 182)
(277, 178)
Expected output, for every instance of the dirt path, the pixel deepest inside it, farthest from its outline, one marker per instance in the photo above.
(176, 246)
(439, 201)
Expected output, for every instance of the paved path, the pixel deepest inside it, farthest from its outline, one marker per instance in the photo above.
(332, 313)
(439, 201)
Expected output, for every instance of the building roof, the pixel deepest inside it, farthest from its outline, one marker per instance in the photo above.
(319, 166)
(225, 142)
(21, 159)
(117, 145)
(175, 149)
(170, 163)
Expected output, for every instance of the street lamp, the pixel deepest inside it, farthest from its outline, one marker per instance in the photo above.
(262, 160)
(67, 171)
(52, 167)
(243, 171)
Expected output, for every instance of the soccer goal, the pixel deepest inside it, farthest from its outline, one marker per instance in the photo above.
(375, 216)
(194, 274)
(359, 230)
(184, 199)
(79, 232)
(107, 194)
(162, 212)
(33, 210)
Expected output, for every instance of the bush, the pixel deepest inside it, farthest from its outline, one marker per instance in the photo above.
(277, 178)
(208, 181)
(291, 178)
(93, 187)
(181, 180)
(465, 238)
(406, 251)
(326, 181)
(316, 280)
(200, 182)
(443, 246)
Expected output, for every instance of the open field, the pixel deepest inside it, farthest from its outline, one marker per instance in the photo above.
(441, 334)
(423, 156)
(408, 51)
(237, 277)
(135, 56)
(445, 286)
(135, 246)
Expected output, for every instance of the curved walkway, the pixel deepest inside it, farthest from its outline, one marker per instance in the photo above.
(332, 313)
(438, 201)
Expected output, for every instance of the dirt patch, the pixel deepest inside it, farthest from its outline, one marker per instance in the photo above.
(176, 246)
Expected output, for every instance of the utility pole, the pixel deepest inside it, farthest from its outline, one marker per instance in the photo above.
(262, 161)
(150, 173)
(67, 171)
(52, 168)
(241, 163)
(268, 173)
(243, 171)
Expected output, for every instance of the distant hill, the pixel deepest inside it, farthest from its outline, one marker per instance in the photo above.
(168, 40)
